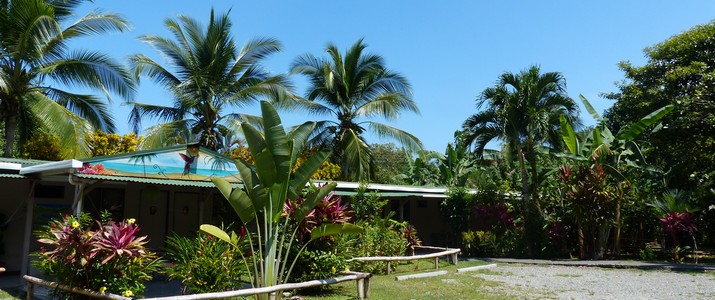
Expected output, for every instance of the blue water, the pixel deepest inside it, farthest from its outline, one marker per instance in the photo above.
(155, 170)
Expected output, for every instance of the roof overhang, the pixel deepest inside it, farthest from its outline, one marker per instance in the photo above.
(52, 168)
(15, 167)
(143, 180)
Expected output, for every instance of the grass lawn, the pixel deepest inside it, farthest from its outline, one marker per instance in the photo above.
(451, 286)
(5, 296)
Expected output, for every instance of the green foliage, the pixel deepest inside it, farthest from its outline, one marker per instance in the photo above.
(679, 71)
(457, 209)
(457, 165)
(366, 206)
(206, 264)
(647, 254)
(43, 146)
(390, 162)
(318, 264)
(423, 170)
(382, 237)
(109, 259)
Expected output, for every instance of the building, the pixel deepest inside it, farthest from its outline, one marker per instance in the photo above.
(166, 190)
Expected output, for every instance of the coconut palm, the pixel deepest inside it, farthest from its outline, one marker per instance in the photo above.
(523, 111)
(354, 88)
(36, 64)
(206, 73)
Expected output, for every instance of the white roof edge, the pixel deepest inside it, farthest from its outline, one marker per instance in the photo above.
(393, 188)
(10, 166)
(52, 167)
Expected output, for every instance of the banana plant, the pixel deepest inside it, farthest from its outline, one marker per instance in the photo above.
(600, 146)
(268, 184)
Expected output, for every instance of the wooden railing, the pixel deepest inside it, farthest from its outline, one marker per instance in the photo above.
(362, 279)
(32, 281)
(451, 252)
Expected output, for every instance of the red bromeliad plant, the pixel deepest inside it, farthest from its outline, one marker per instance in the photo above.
(109, 258)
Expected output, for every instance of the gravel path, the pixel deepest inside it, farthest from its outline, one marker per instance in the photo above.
(566, 282)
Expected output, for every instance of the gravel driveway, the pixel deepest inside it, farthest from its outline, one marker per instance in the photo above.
(567, 282)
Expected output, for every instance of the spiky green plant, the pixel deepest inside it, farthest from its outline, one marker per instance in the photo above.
(268, 186)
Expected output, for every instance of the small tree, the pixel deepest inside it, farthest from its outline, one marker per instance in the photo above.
(102, 143)
(42, 146)
(268, 186)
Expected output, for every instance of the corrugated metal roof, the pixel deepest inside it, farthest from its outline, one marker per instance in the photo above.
(24, 162)
(396, 194)
(17, 176)
(174, 182)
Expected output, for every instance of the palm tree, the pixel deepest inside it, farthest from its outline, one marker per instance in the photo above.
(354, 88)
(522, 110)
(207, 74)
(35, 60)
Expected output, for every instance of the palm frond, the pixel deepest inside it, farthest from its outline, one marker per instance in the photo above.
(89, 107)
(92, 70)
(74, 131)
(168, 134)
(404, 138)
(96, 22)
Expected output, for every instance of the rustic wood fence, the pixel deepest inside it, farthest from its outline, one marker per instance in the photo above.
(362, 279)
(450, 252)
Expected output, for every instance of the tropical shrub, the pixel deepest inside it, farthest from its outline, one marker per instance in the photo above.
(103, 256)
(42, 146)
(676, 216)
(269, 184)
(593, 206)
(366, 206)
(318, 264)
(206, 264)
(382, 237)
(320, 259)
(329, 210)
(456, 210)
(102, 143)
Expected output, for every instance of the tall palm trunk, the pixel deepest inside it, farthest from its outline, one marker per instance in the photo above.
(10, 128)
(526, 197)
(617, 231)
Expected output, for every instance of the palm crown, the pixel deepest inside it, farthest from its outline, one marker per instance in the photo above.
(353, 88)
(207, 73)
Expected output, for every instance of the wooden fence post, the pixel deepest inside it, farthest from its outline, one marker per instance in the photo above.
(29, 291)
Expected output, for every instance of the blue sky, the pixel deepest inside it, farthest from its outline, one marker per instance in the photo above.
(449, 50)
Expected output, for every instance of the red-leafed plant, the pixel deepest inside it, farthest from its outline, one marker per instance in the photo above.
(676, 215)
(119, 240)
(329, 210)
(103, 256)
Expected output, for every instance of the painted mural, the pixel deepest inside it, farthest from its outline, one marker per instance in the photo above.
(183, 163)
